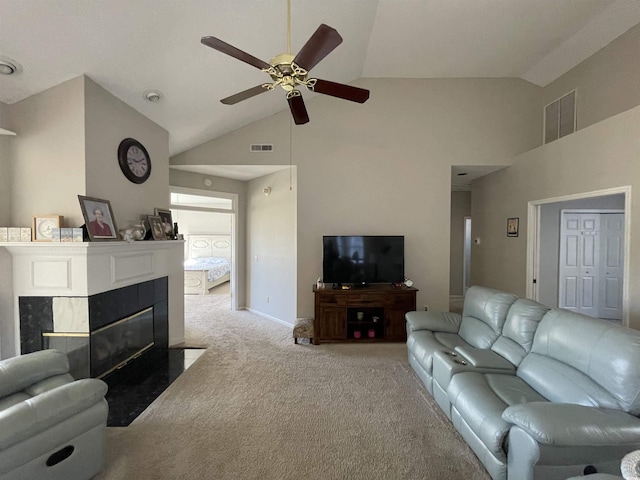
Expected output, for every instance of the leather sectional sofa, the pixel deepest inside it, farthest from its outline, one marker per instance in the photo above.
(51, 426)
(537, 393)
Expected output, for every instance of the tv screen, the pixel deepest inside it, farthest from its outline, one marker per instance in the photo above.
(363, 259)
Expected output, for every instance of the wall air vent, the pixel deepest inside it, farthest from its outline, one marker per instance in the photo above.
(262, 147)
(560, 117)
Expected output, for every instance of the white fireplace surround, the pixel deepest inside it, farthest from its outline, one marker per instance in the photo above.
(78, 270)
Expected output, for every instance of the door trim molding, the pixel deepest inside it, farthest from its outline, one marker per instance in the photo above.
(533, 240)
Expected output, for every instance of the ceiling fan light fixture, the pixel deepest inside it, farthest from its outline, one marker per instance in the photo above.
(152, 96)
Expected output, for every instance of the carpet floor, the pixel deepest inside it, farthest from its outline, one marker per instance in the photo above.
(256, 406)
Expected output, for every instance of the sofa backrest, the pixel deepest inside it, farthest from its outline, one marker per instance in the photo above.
(586, 361)
(518, 330)
(483, 315)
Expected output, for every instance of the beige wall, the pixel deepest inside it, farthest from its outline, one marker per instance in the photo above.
(460, 208)
(602, 154)
(6, 265)
(48, 155)
(271, 246)
(606, 83)
(67, 146)
(384, 167)
(108, 121)
(210, 223)
(5, 168)
(599, 157)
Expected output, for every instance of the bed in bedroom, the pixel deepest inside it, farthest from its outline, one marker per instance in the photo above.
(208, 262)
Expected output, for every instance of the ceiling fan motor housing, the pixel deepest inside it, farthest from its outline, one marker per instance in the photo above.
(285, 73)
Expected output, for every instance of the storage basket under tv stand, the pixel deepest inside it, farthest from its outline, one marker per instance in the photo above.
(336, 313)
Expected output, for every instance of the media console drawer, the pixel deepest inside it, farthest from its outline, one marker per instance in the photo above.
(365, 298)
(373, 314)
(334, 299)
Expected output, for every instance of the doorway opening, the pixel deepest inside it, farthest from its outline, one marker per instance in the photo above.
(208, 222)
(572, 250)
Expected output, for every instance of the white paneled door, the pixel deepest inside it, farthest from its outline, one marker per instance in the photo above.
(591, 263)
(612, 265)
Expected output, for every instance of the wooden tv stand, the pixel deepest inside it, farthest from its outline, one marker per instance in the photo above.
(369, 314)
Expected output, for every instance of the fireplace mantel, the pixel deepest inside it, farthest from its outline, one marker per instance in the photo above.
(82, 269)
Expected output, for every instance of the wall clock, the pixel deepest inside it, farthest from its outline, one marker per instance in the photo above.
(134, 160)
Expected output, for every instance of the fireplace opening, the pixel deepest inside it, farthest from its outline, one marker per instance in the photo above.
(107, 348)
(101, 332)
(114, 345)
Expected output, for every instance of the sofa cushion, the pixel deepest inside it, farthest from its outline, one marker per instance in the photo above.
(483, 315)
(518, 330)
(579, 359)
(423, 343)
(480, 400)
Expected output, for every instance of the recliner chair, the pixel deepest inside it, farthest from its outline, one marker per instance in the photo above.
(51, 426)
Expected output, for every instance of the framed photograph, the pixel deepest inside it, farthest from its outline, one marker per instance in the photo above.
(42, 225)
(99, 219)
(512, 226)
(167, 222)
(155, 225)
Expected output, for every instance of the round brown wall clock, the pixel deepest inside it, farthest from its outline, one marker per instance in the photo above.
(134, 160)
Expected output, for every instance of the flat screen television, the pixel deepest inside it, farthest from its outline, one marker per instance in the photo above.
(362, 259)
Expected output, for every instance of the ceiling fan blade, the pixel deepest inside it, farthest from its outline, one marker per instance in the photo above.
(340, 90)
(234, 52)
(298, 110)
(323, 41)
(251, 92)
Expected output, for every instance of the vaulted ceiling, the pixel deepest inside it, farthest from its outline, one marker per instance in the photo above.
(132, 46)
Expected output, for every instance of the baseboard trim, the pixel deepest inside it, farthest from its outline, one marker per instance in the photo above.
(269, 317)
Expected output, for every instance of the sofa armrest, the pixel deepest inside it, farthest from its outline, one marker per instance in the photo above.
(484, 358)
(18, 373)
(568, 424)
(434, 321)
(29, 417)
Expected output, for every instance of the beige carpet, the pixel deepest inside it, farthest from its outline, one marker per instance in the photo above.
(256, 406)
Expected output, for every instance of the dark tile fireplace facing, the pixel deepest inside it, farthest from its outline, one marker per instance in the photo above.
(98, 349)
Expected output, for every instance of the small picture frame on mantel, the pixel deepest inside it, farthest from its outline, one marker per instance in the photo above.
(155, 225)
(98, 219)
(167, 222)
(42, 227)
(513, 226)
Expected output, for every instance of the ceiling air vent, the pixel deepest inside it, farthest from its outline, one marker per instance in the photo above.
(560, 117)
(262, 147)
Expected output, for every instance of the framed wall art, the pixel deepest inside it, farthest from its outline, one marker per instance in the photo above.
(98, 219)
(512, 226)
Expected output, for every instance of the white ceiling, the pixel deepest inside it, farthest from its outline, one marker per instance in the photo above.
(131, 46)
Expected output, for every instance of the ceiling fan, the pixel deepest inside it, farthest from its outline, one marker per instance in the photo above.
(290, 72)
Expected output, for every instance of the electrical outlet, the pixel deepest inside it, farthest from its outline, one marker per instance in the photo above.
(267, 298)
(426, 308)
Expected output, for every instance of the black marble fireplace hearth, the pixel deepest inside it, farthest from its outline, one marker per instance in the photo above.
(136, 385)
